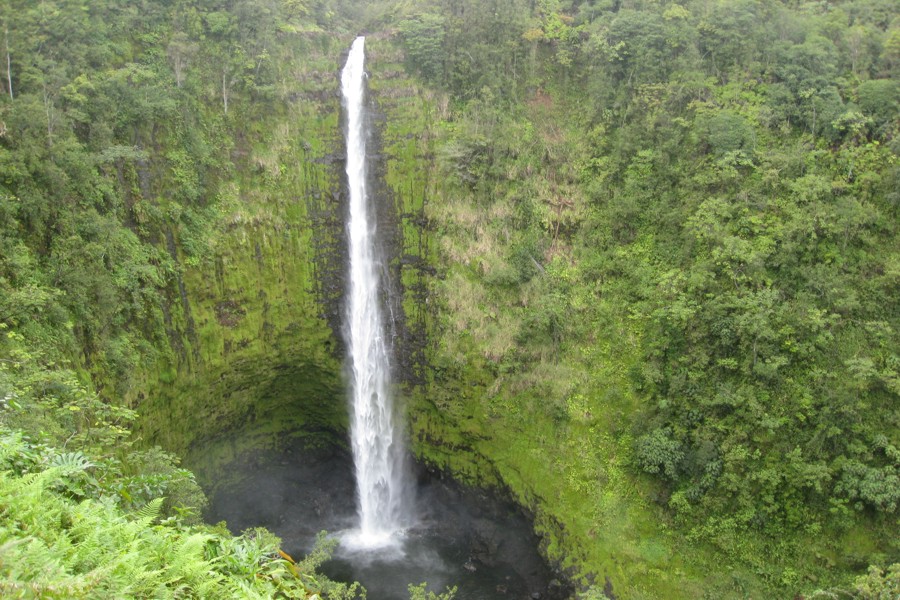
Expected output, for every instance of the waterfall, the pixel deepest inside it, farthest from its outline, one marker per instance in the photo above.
(377, 445)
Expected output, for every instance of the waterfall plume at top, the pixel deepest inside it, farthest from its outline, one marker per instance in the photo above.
(378, 451)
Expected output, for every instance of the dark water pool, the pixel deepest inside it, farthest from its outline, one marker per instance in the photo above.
(463, 537)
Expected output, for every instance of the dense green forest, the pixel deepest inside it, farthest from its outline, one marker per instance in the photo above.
(118, 154)
(656, 272)
(679, 223)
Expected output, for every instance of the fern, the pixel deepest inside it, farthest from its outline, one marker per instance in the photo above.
(11, 445)
(71, 462)
(149, 512)
(53, 546)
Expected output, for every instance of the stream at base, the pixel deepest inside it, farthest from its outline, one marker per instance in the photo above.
(463, 537)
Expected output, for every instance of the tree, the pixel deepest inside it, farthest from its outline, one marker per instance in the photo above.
(419, 592)
(423, 37)
(181, 51)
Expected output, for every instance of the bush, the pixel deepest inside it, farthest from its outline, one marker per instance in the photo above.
(876, 487)
(657, 453)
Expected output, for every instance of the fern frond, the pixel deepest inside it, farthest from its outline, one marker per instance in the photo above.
(149, 512)
(186, 561)
(10, 446)
(71, 462)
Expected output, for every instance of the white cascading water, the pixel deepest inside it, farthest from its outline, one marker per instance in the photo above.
(377, 446)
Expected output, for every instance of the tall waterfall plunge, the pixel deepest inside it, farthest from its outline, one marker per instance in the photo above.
(377, 445)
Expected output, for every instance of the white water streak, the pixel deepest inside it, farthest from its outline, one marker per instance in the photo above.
(377, 448)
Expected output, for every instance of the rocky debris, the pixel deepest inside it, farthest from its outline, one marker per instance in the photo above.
(608, 589)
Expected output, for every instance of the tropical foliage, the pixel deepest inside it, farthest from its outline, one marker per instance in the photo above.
(737, 194)
(665, 314)
(670, 237)
(117, 128)
(58, 542)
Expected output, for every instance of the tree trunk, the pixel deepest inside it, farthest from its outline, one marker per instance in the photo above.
(225, 90)
(178, 67)
(8, 65)
(51, 116)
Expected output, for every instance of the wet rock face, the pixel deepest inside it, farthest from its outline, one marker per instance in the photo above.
(326, 201)
(327, 210)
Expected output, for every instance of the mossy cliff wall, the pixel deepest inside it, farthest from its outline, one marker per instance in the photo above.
(253, 355)
(256, 355)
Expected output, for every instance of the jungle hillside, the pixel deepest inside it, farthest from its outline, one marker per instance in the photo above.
(645, 262)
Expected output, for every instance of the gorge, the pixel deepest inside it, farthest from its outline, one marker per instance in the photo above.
(639, 261)
(465, 539)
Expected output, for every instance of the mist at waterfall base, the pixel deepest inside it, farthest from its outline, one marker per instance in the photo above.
(458, 536)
